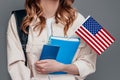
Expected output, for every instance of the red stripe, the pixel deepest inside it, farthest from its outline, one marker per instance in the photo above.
(100, 40)
(106, 36)
(109, 34)
(103, 38)
(91, 41)
(87, 42)
(93, 38)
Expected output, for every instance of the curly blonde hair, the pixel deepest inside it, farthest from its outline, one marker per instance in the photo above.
(65, 14)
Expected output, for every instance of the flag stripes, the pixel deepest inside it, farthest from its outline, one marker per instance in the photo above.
(87, 41)
(99, 42)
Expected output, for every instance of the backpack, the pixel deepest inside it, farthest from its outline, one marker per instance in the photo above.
(19, 15)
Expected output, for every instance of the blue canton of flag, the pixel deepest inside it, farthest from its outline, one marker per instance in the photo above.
(92, 26)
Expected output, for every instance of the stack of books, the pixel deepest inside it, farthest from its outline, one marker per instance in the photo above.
(60, 49)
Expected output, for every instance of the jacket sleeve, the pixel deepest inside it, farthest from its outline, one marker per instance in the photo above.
(86, 60)
(86, 57)
(15, 55)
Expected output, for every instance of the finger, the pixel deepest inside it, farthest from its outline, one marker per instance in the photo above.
(43, 61)
(39, 66)
(41, 70)
(40, 62)
(44, 71)
(38, 69)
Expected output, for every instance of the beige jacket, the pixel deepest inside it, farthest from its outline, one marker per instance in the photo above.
(85, 58)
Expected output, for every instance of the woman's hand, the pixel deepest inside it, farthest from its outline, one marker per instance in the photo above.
(48, 66)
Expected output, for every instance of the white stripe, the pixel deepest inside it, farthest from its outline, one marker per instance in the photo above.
(91, 38)
(104, 37)
(101, 43)
(102, 40)
(107, 35)
(89, 42)
(96, 39)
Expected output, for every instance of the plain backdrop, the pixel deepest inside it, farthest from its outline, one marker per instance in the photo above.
(106, 12)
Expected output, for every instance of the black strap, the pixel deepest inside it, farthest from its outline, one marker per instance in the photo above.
(19, 15)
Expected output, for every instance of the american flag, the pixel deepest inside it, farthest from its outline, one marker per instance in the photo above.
(95, 35)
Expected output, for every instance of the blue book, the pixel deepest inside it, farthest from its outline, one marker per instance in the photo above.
(67, 50)
(61, 49)
(68, 47)
(49, 52)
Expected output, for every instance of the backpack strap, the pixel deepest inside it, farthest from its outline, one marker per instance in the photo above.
(19, 15)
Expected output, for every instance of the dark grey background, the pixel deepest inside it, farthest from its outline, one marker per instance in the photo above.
(106, 12)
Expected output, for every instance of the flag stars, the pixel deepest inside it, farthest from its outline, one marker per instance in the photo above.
(92, 26)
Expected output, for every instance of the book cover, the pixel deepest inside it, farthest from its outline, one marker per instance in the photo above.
(67, 50)
(49, 52)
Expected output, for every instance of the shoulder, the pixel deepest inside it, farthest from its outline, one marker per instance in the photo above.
(79, 19)
(77, 23)
(79, 16)
(11, 25)
(17, 14)
(12, 20)
(16, 18)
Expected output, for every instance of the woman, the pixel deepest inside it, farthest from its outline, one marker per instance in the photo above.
(47, 18)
